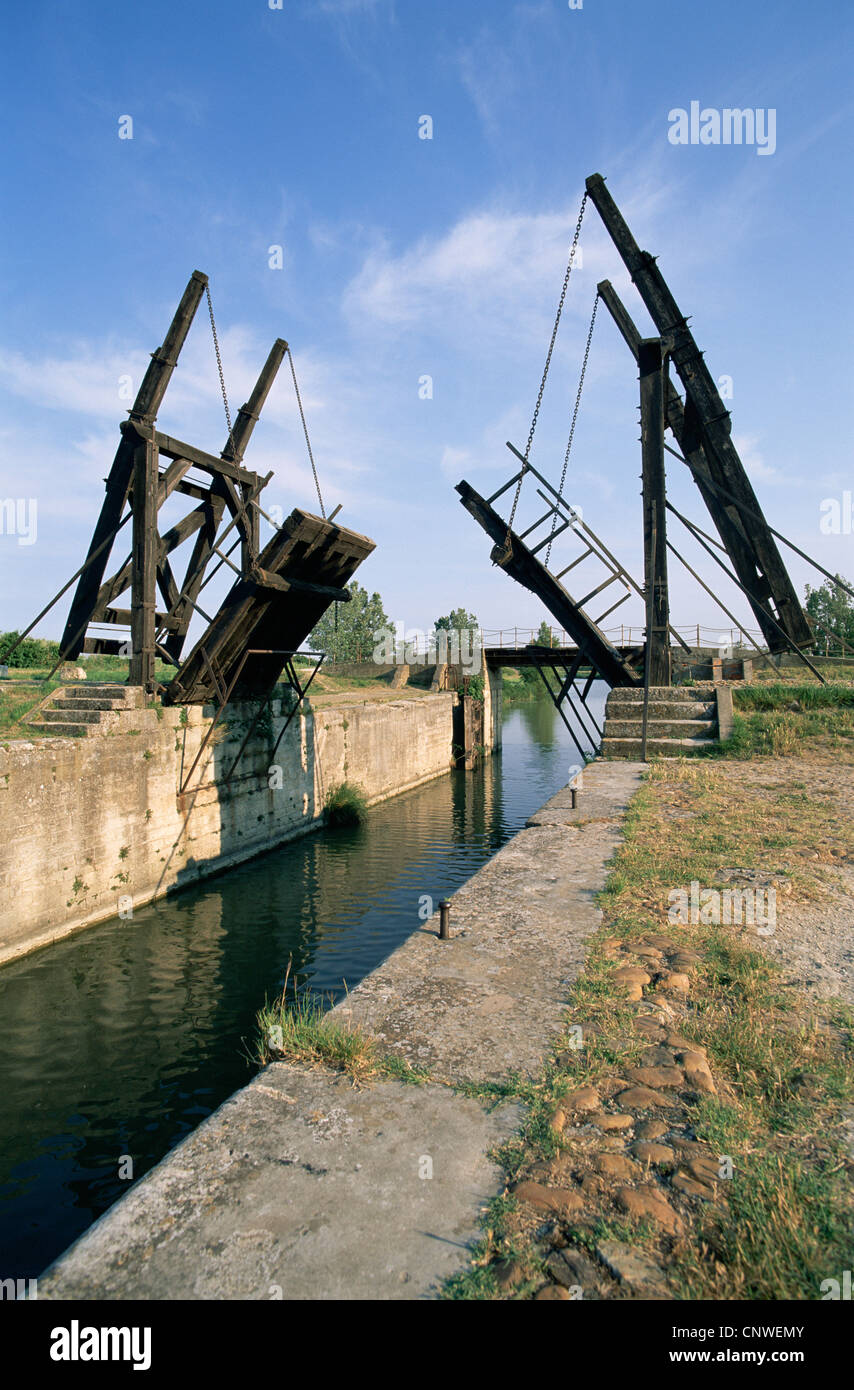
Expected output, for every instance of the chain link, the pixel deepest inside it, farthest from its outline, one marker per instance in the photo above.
(574, 418)
(221, 374)
(569, 266)
(305, 432)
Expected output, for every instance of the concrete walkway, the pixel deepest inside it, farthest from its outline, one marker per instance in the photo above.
(300, 1186)
(487, 1003)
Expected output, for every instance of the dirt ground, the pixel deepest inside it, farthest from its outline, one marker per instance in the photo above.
(813, 941)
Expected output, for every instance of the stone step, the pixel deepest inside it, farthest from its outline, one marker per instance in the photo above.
(661, 728)
(57, 714)
(661, 709)
(65, 729)
(663, 747)
(82, 700)
(129, 695)
(670, 693)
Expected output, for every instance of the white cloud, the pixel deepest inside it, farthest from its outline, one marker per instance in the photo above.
(489, 265)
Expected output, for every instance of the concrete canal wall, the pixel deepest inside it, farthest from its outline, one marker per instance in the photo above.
(302, 1186)
(93, 827)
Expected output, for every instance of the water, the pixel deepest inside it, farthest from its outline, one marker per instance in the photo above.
(120, 1040)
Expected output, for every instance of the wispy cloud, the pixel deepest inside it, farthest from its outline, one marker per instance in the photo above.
(489, 266)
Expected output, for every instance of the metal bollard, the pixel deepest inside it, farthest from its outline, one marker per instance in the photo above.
(574, 794)
(444, 920)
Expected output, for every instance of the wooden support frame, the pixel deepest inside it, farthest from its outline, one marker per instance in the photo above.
(757, 560)
(144, 411)
(136, 482)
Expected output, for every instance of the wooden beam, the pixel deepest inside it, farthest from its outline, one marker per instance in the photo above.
(171, 479)
(266, 580)
(122, 617)
(728, 519)
(209, 463)
(182, 611)
(249, 414)
(193, 490)
(143, 566)
(653, 372)
(163, 361)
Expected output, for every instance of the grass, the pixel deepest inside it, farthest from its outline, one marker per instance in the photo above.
(15, 705)
(780, 697)
(345, 806)
(297, 1029)
(783, 1062)
(775, 719)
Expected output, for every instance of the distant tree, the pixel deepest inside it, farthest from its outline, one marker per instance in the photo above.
(458, 620)
(347, 631)
(545, 637)
(831, 606)
(33, 651)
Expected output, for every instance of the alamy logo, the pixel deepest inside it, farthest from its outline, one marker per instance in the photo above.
(729, 126)
(837, 515)
(19, 517)
(412, 647)
(17, 1290)
(730, 906)
(76, 1343)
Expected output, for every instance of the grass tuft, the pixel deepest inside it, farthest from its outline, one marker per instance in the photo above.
(346, 805)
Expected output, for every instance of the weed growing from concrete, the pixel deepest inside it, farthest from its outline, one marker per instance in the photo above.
(346, 805)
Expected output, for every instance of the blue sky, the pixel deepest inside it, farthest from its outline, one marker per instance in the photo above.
(405, 257)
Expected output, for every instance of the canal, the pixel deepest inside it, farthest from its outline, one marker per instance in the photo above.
(122, 1039)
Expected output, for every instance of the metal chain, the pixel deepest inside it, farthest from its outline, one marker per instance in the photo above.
(305, 432)
(221, 374)
(569, 266)
(574, 418)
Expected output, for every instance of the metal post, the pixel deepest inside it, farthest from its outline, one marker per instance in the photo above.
(444, 920)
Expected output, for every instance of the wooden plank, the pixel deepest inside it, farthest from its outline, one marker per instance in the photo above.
(524, 567)
(106, 646)
(171, 479)
(711, 416)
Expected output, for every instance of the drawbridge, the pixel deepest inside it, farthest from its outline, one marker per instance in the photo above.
(280, 591)
(745, 548)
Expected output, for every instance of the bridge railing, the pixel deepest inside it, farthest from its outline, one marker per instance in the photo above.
(624, 635)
